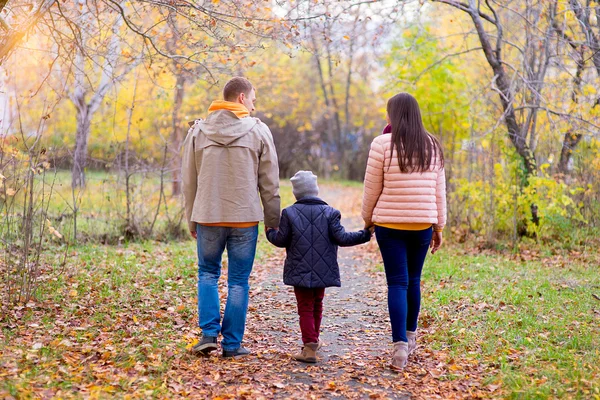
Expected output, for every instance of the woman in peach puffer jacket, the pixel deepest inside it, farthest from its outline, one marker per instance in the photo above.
(405, 198)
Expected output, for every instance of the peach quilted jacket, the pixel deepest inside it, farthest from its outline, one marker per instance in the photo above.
(393, 197)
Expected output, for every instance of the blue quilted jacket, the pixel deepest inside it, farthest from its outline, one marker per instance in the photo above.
(310, 230)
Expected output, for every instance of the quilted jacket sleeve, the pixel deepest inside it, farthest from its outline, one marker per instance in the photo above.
(343, 238)
(373, 181)
(440, 195)
(281, 237)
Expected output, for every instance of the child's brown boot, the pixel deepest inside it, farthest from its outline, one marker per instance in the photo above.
(412, 341)
(400, 356)
(320, 344)
(308, 354)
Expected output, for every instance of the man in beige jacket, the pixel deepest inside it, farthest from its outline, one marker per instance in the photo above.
(229, 160)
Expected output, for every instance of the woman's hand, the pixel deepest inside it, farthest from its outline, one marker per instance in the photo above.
(436, 241)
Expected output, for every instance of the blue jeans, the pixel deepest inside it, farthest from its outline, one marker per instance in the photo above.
(403, 254)
(241, 249)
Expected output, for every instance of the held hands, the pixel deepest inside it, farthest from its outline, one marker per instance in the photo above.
(370, 227)
(436, 242)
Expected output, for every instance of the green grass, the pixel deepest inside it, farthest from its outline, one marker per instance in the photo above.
(534, 323)
(98, 305)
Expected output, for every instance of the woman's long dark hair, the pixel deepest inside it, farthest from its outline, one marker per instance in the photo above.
(417, 148)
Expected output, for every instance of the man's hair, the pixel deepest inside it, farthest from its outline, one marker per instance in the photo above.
(235, 86)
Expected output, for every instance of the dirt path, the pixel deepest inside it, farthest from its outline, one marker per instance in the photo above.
(354, 330)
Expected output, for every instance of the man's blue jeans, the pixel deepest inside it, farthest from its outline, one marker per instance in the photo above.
(403, 254)
(241, 249)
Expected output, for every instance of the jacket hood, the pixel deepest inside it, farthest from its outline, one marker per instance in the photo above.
(224, 127)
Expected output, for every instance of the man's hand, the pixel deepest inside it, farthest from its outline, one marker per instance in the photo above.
(268, 228)
(194, 234)
(436, 242)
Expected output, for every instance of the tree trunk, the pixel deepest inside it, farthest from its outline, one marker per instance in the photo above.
(506, 94)
(81, 147)
(6, 108)
(583, 14)
(570, 141)
(514, 129)
(84, 86)
(336, 109)
(177, 133)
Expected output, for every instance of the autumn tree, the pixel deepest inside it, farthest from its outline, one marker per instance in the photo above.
(581, 32)
(523, 49)
(204, 36)
(342, 39)
(95, 74)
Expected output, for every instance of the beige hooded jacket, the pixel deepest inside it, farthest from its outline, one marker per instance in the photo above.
(227, 162)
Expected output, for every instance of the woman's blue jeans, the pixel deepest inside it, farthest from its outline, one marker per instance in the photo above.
(241, 249)
(403, 254)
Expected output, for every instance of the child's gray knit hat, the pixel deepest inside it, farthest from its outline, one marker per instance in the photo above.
(304, 183)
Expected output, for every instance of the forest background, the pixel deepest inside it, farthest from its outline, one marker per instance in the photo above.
(95, 101)
(107, 88)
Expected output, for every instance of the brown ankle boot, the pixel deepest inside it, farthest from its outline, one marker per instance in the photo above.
(320, 344)
(400, 356)
(308, 354)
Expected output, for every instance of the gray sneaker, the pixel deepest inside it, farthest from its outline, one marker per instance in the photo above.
(239, 352)
(205, 346)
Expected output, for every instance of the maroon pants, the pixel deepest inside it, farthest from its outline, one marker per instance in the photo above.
(310, 310)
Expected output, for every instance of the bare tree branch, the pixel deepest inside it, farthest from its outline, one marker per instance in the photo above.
(583, 16)
(466, 8)
(14, 36)
(441, 60)
(148, 39)
(558, 113)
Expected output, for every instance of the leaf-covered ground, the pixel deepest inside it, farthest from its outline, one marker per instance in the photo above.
(119, 322)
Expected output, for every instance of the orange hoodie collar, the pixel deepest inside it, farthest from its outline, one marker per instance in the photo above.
(238, 109)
